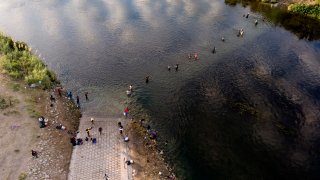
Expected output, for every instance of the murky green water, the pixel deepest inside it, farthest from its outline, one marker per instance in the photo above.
(249, 111)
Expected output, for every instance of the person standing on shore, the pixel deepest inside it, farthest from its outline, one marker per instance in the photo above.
(88, 131)
(100, 130)
(34, 153)
(92, 121)
(78, 101)
(125, 112)
(59, 91)
(69, 95)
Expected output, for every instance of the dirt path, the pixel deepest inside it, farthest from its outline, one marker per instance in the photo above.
(18, 132)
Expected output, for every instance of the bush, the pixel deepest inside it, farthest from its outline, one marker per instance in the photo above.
(3, 103)
(311, 10)
(23, 176)
(20, 63)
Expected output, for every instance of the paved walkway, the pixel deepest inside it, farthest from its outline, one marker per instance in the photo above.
(93, 161)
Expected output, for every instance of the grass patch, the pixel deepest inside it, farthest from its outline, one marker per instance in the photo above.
(11, 112)
(23, 176)
(18, 62)
(309, 10)
(32, 112)
(3, 103)
(6, 102)
(13, 101)
(16, 87)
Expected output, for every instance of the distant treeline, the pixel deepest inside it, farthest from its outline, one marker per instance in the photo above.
(17, 60)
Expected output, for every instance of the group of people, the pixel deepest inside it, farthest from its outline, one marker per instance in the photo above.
(153, 134)
(195, 56)
(70, 96)
(176, 67)
(125, 137)
(79, 141)
(130, 90)
(43, 122)
(240, 34)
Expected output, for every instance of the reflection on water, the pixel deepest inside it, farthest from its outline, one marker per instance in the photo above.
(249, 111)
(253, 122)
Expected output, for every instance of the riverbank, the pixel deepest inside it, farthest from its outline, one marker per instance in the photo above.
(305, 7)
(26, 87)
(19, 115)
(148, 157)
(31, 91)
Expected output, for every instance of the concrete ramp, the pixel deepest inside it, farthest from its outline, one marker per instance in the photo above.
(93, 161)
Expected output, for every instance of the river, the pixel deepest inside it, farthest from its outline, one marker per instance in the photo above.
(248, 111)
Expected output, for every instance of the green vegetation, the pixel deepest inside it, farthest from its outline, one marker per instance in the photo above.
(6, 104)
(309, 10)
(32, 108)
(23, 176)
(16, 87)
(11, 112)
(17, 61)
(3, 103)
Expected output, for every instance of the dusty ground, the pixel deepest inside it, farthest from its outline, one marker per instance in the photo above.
(20, 133)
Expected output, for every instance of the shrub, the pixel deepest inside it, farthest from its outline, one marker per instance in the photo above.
(20, 63)
(23, 176)
(311, 10)
(3, 103)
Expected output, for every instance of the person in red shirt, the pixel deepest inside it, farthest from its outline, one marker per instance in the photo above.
(126, 111)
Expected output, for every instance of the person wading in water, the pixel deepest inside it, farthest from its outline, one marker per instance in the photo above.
(147, 79)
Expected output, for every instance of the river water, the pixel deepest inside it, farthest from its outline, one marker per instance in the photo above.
(249, 111)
